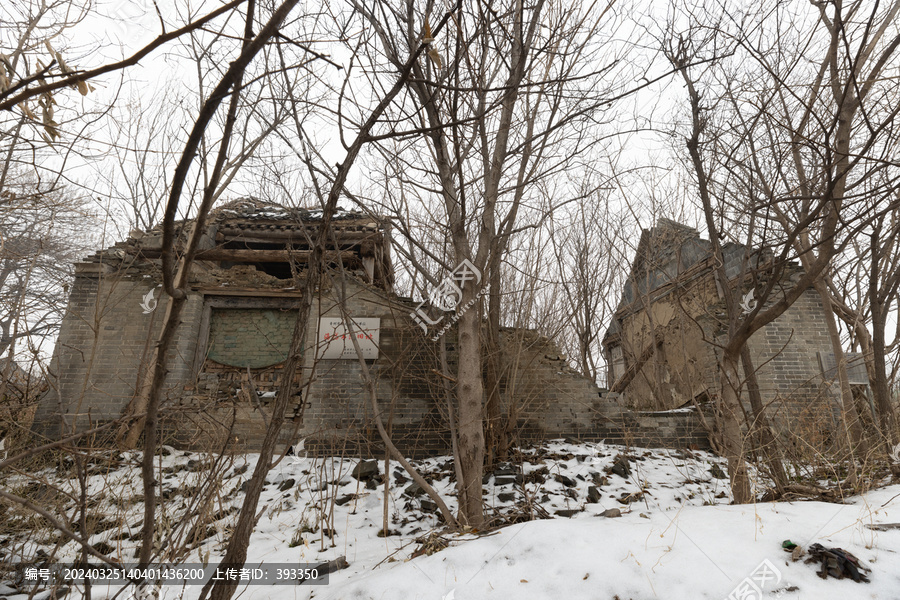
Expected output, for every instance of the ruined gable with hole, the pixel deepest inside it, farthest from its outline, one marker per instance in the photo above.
(662, 345)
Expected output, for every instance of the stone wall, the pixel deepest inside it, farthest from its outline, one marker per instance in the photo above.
(106, 341)
(103, 347)
(681, 366)
(785, 354)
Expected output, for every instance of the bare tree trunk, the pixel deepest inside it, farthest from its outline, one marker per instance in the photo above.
(759, 428)
(856, 443)
(471, 398)
(733, 445)
(451, 417)
(880, 388)
(495, 432)
(879, 309)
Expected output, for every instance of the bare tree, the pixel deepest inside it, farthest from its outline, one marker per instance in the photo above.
(37, 70)
(863, 291)
(42, 232)
(502, 101)
(784, 128)
(589, 245)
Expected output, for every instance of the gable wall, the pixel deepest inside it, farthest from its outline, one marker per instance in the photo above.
(104, 342)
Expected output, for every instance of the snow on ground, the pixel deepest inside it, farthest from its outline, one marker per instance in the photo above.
(677, 536)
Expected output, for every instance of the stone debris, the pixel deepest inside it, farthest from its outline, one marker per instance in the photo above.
(366, 469)
(621, 467)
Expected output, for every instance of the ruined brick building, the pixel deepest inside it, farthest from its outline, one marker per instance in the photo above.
(236, 327)
(661, 347)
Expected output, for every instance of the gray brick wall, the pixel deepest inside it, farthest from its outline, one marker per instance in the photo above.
(106, 341)
(104, 344)
(790, 379)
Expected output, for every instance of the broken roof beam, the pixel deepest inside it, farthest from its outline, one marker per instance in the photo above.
(240, 234)
(635, 366)
(237, 255)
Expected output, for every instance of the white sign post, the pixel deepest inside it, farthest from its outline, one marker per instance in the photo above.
(333, 340)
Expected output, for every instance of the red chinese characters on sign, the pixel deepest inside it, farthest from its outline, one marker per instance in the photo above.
(335, 341)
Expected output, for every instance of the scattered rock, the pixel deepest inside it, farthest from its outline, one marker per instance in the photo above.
(286, 485)
(620, 467)
(365, 470)
(566, 481)
(537, 476)
(504, 469)
(506, 497)
(344, 499)
(717, 472)
(627, 498)
(882, 526)
(568, 512)
(593, 495)
(428, 506)
(104, 548)
(505, 480)
(611, 513)
(599, 480)
(414, 489)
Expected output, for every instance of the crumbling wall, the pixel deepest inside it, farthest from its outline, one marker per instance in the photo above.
(669, 332)
(107, 337)
(103, 347)
(554, 401)
(545, 396)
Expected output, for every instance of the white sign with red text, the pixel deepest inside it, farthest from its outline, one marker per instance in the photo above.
(334, 341)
